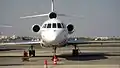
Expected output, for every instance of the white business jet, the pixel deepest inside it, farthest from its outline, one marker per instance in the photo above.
(54, 33)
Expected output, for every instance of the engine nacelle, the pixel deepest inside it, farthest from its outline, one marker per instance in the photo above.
(70, 28)
(52, 15)
(36, 28)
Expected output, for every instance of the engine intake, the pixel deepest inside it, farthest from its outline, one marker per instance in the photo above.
(70, 28)
(52, 15)
(36, 28)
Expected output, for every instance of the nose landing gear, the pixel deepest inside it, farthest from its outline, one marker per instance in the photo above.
(54, 53)
(54, 50)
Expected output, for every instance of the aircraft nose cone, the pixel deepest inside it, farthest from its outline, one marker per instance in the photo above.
(50, 37)
(53, 37)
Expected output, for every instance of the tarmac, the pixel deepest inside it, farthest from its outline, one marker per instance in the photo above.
(94, 56)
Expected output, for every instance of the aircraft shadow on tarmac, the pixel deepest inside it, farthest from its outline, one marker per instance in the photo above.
(81, 57)
(84, 56)
(11, 64)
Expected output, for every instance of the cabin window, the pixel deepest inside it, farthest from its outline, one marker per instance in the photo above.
(49, 25)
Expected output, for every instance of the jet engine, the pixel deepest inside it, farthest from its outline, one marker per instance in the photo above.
(35, 28)
(70, 28)
(52, 15)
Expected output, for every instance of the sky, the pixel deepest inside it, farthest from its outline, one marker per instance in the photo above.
(98, 17)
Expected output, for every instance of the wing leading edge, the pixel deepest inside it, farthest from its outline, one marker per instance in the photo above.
(75, 42)
(22, 43)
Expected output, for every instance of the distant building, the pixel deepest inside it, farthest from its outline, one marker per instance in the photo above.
(13, 37)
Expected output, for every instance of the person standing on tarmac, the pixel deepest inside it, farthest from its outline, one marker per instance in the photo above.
(31, 47)
(31, 50)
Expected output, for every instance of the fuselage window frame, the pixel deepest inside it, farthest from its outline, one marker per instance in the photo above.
(63, 26)
(54, 25)
(45, 25)
(49, 25)
(59, 25)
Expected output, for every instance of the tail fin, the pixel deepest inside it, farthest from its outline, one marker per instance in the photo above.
(52, 5)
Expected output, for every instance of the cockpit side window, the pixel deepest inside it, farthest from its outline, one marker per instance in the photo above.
(49, 25)
(62, 25)
(54, 25)
(59, 25)
(44, 26)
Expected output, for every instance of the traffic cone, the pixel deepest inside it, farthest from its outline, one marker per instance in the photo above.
(55, 61)
(54, 57)
(25, 54)
(45, 64)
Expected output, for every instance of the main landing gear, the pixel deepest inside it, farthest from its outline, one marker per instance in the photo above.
(75, 52)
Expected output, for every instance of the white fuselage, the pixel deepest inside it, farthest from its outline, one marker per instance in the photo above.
(53, 34)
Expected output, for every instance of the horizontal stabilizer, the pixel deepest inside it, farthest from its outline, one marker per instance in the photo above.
(34, 16)
(5, 26)
(65, 15)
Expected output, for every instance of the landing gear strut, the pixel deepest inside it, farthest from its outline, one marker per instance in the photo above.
(54, 50)
(101, 43)
(75, 51)
(54, 53)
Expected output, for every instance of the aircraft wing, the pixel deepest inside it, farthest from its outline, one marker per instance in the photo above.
(75, 42)
(22, 43)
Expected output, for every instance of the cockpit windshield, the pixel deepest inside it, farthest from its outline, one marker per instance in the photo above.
(62, 25)
(54, 25)
(59, 25)
(49, 25)
(44, 26)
